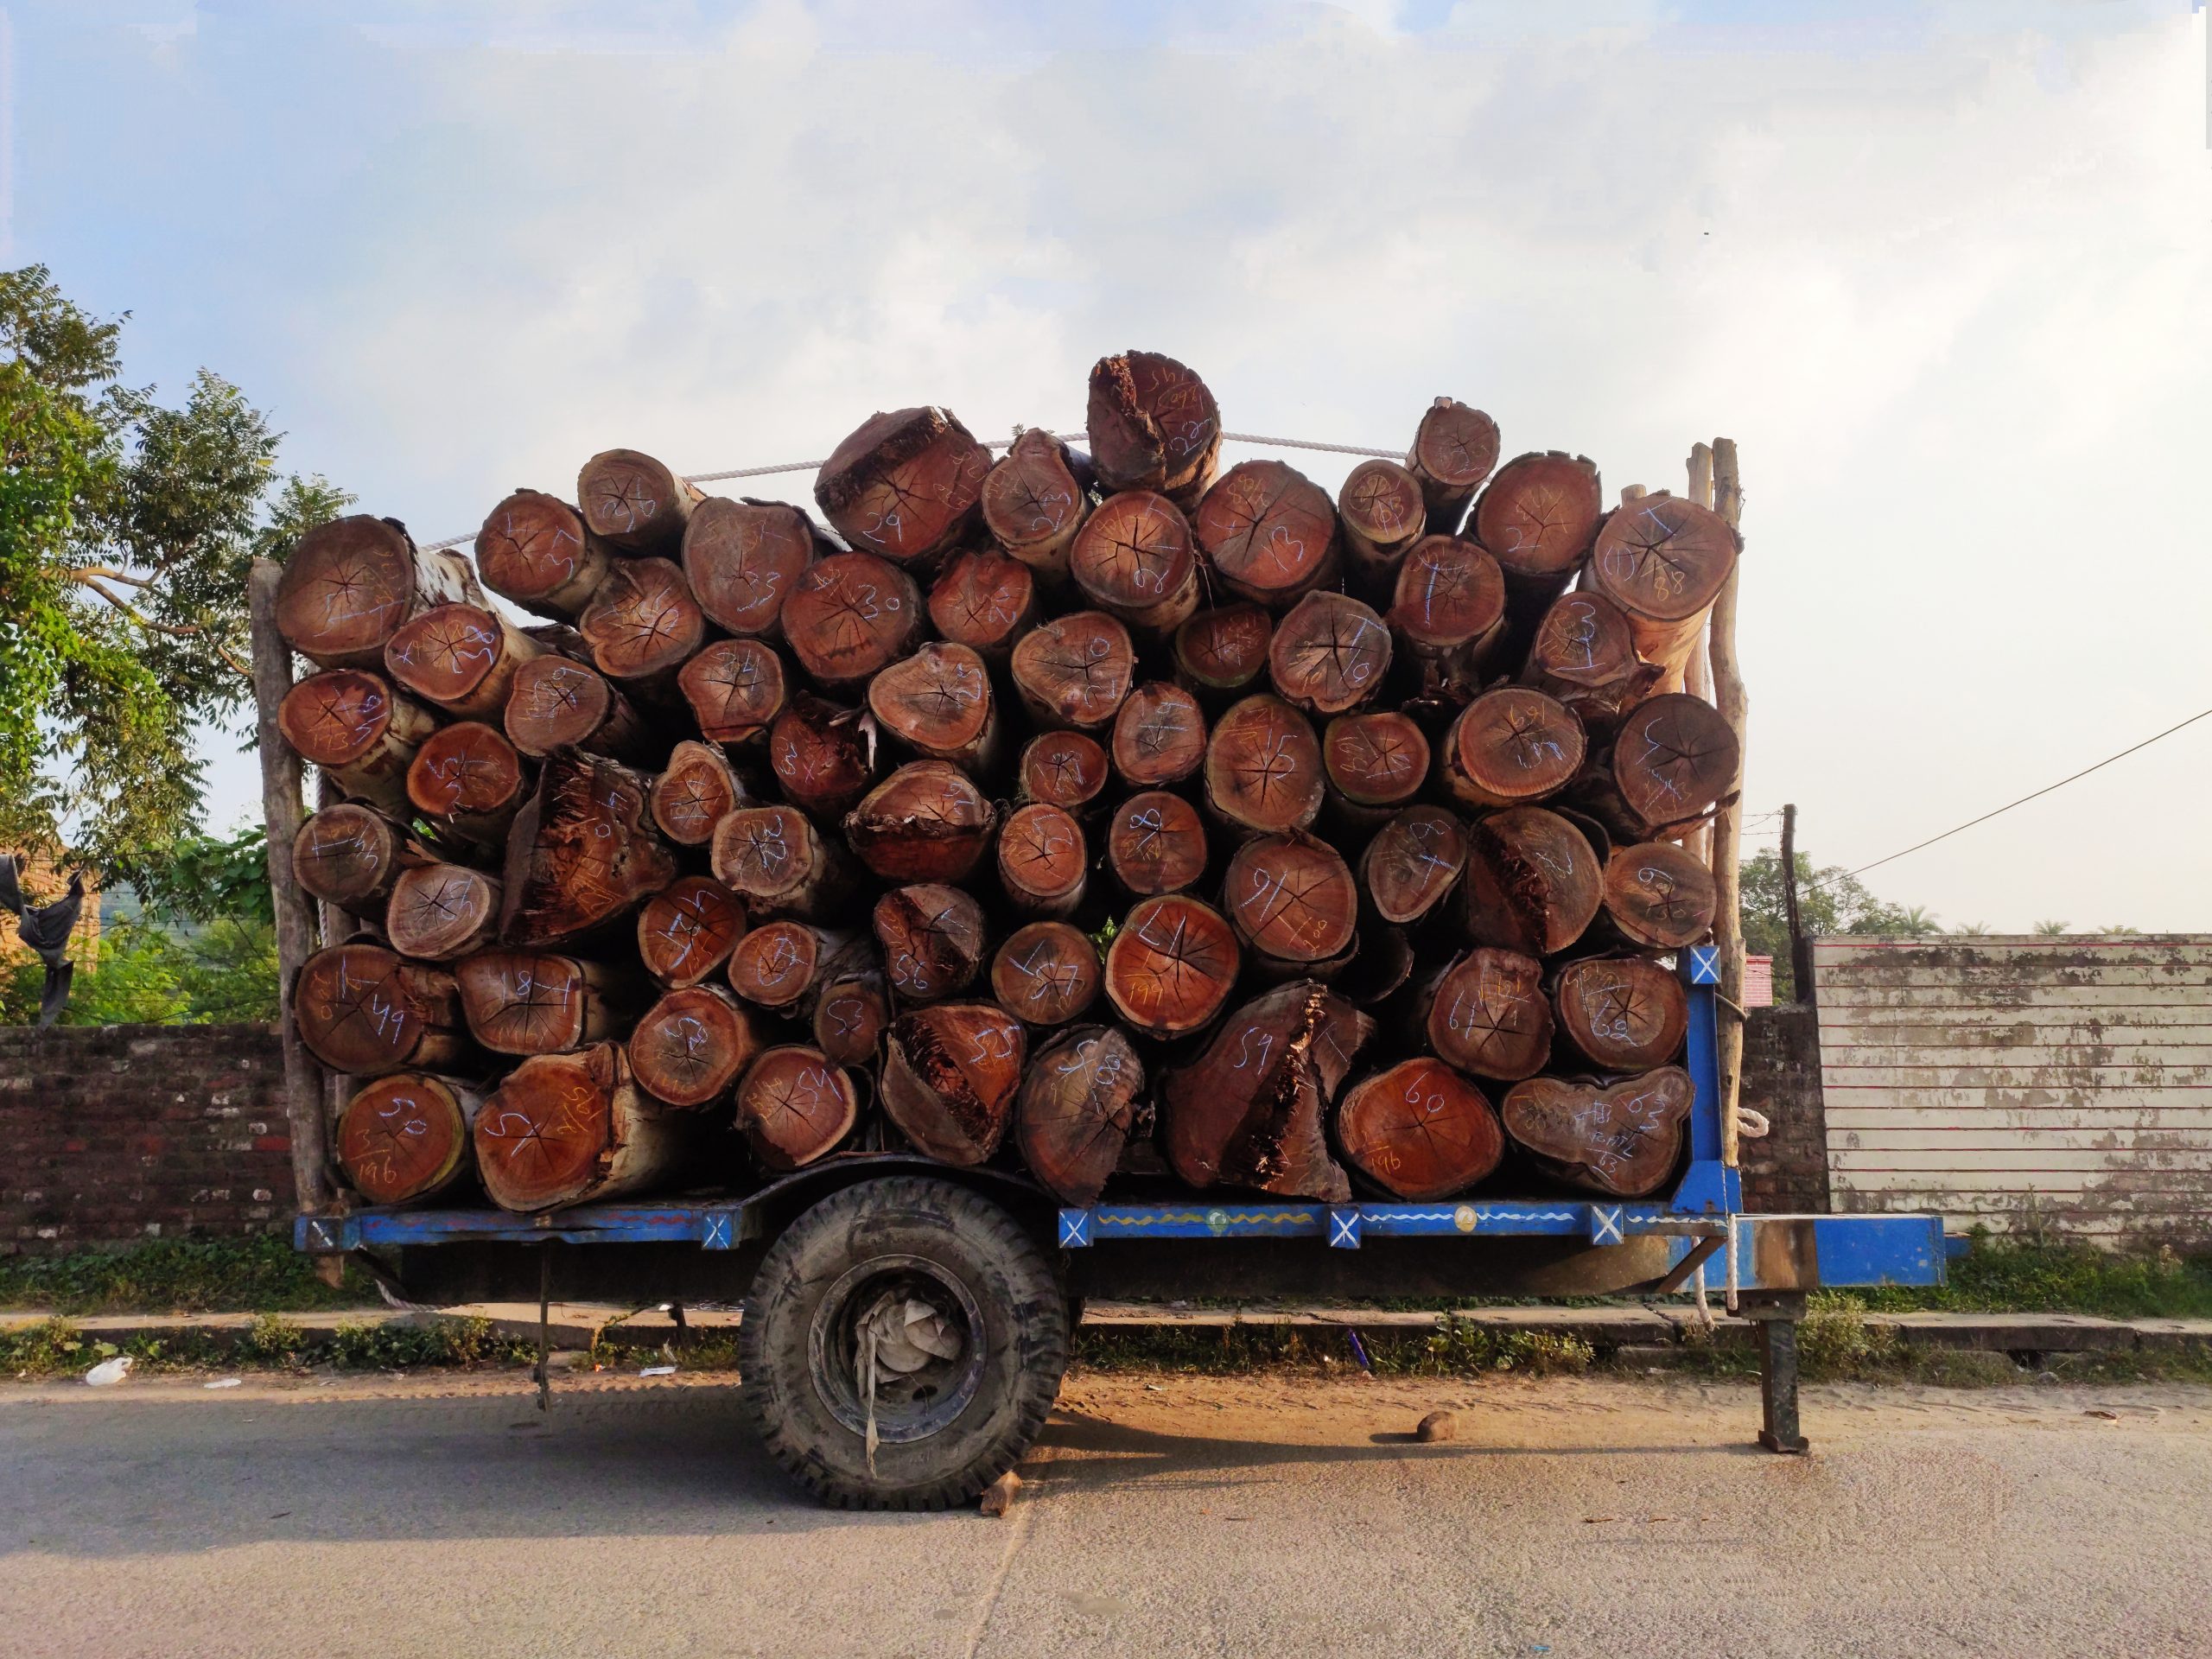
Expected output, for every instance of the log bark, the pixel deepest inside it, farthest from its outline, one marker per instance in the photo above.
(1674, 757)
(1454, 449)
(927, 822)
(950, 1076)
(1413, 863)
(1248, 1111)
(1042, 860)
(461, 658)
(692, 1045)
(695, 792)
(1533, 882)
(1419, 1131)
(357, 731)
(849, 616)
(1538, 520)
(743, 558)
(364, 1010)
(1075, 670)
(687, 930)
(534, 551)
(1624, 1140)
(468, 779)
(351, 582)
(1659, 895)
(822, 760)
(796, 1106)
(1153, 425)
(1585, 656)
(736, 688)
(934, 940)
(1447, 614)
(1135, 559)
(785, 964)
(1063, 769)
(985, 602)
(349, 855)
(938, 703)
(1221, 652)
(583, 852)
(1171, 966)
(406, 1137)
(1157, 844)
(850, 1016)
(566, 1127)
(1036, 500)
(1374, 760)
(1077, 1103)
(1159, 736)
(1623, 1014)
(1291, 900)
(774, 859)
(1263, 768)
(633, 502)
(1511, 746)
(643, 623)
(441, 913)
(1488, 1015)
(905, 483)
(1270, 532)
(1663, 559)
(560, 703)
(1383, 515)
(1046, 973)
(1330, 654)
(540, 1002)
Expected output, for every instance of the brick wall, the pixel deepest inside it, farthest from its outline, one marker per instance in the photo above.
(110, 1135)
(1787, 1170)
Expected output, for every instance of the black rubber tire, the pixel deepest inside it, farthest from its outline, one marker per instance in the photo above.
(1025, 1346)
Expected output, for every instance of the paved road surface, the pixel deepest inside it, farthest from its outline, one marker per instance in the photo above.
(1252, 1516)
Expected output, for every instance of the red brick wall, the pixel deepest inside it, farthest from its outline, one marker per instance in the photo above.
(112, 1135)
(1786, 1172)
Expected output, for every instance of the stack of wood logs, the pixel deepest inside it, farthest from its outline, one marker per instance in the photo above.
(1138, 820)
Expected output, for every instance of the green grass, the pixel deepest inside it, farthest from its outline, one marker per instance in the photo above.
(229, 1275)
(57, 1348)
(2001, 1275)
(1454, 1348)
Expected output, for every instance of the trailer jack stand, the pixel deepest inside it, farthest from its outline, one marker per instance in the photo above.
(1777, 1326)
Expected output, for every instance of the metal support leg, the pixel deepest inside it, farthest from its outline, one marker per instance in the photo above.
(544, 1327)
(1778, 1378)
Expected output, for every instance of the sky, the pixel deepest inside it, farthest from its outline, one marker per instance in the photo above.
(1943, 271)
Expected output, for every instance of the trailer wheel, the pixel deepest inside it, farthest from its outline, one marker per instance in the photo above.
(954, 1422)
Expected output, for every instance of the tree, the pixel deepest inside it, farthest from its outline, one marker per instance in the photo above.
(1829, 901)
(2051, 930)
(126, 530)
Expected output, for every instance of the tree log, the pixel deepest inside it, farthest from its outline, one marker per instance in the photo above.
(823, 759)
(938, 702)
(1329, 654)
(1035, 501)
(1157, 844)
(743, 558)
(1078, 1102)
(1383, 515)
(633, 502)
(351, 724)
(774, 859)
(1291, 898)
(462, 657)
(1419, 1130)
(643, 623)
(534, 551)
(1046, 973)
(406, 1136)
(1511, 747)
(984, 600)
(538, 1002)
(1135, 559)
(849, 616)
(796, 1106)
(351, 582)
(557, 703)
(1263, 767)
(1585, 656)
(1663, 559)
(565, 1128)
(850, 1015)
(1374, 760)
(1063, 769)
(468, 780)
(785, 964)
(949, 1074)
(440, 912)
(927, 822)
(1624, 1014)
(1538, 519)
(692, 1045)
(736, 689)
(695, 792)
(1159, 735)
(1221, 651)
(1270, 532)
(1660, 894)
(1624, 1140)
(1672, 759)
(1042, 860)
(1533, 882)
(583, 852)
(349, 855)
(1488, 1015)
(1447, 611)
(1413, 862)
(1453, 450)
(1075, 670)
(1248, 1111)
(367, 1011)
(1153, 425)
(905, 483)
(1171, 965)
(687, 930)
(934, 940)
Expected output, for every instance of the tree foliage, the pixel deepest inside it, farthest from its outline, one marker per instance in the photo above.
(1829, 902)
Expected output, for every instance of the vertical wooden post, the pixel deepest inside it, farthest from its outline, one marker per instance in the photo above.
(1801, 953)
(283, 810)
(1727, 825)
(1699, 682)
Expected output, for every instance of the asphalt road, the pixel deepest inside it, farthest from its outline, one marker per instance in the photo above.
(1257, 1516)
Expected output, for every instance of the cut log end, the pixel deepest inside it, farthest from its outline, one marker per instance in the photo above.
(850, 1017)
(1540, 514)
(950, 1076)
(1330, 654)
(643, 620)
(1291, 898)
(690, 1046)
(1453, 451)
(1075, 670)
(795, 1106)
(1659, 895)
(1159, 735)
(1153, 425)
(1076, 1106)
(461, 658)
(695, 792)
(934, 940)
(1413, 862)
(776, 964)
(1624, 1140)
(531, 1001)
(1171, 965)
(1270, 531)
(1047, 974)
(351, 582)
(927, 822)
(851, 615)
(558, 703)
(1420, 1131)
(743, 559)
(583, 852)
(405, 1137)
(466, 770)
(1489, 1016)
(1263, 766)
(1533, 884)
(1375, 759)
(937, 701)
(687, 930)
(1157, 844)
(634, 502)
(1584, 654)
(534, 551)
(1624, 1014)
(1135, 558)
(774, 859)
(736, 689)
(905, 483)
(1383, 514)
(348, 855)
(1034, 502)
(1675, 758)
(822, 760)
(1042, 860)
(1512, 746)
(364, 1010)
(1063, 769)
(439, 912)
(1224, 649)
(984, 600)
